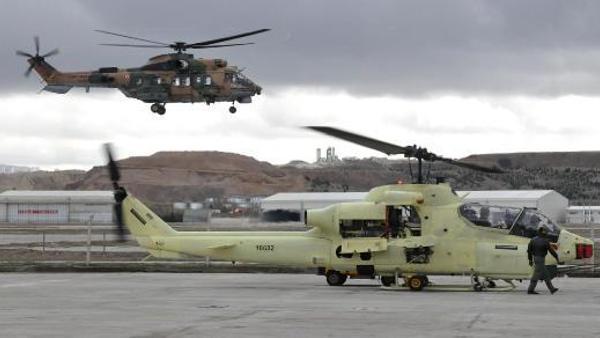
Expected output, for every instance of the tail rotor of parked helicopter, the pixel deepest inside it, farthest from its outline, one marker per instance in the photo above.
(37, 58)
(414, 151)
(119, 192)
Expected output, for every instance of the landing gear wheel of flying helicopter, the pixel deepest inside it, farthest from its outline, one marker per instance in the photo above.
(158, 108)
(232, 109)
(335, 278)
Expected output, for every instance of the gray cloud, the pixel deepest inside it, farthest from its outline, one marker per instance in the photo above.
(400, 48)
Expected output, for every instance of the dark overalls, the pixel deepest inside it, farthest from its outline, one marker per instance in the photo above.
(536, 252)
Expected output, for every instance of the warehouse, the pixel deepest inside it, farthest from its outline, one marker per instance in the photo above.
(549, 202)
(583, 215)
(56, 207)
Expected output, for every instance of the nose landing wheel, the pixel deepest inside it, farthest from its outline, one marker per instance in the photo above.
(158, 108)
(232, 109)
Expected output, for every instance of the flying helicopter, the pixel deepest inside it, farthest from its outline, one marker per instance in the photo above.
(165, 78)
(399, 232)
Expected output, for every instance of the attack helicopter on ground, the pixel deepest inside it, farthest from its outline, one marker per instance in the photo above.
(166, 78)
(399, 231)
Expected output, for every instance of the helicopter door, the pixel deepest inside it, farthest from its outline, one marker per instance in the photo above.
(181, 89)
(496, 257)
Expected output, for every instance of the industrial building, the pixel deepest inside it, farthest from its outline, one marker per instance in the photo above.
(583, 214)
(56, 207)
(549, 202)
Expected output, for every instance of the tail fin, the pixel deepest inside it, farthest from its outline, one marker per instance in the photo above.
(141, 221)
(44, 69)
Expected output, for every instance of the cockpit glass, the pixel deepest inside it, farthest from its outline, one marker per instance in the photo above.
(530, 221)
(490, 216)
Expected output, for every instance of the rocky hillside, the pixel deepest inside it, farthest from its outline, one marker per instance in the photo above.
(167, 177)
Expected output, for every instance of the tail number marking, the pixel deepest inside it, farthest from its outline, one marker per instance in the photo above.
(265, 247)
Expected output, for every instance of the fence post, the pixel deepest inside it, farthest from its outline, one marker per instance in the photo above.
(593, 226)
(43, 243)
(89, 240)
(103, 242)
(207, 258)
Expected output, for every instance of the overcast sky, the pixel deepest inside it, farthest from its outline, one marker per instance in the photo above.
(458, 77)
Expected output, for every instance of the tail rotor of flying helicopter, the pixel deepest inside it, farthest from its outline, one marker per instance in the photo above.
(37, 58)
(419, 153)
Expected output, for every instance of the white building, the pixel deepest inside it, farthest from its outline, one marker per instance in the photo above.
(549, 202)
(56, 207)
(583, 215)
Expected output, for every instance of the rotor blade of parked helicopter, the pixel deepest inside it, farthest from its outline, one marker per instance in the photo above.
(131, 37)
(128, 45)
(491, 170)
(22, 53)
(219, 46)
(384, 147)
(227, 38)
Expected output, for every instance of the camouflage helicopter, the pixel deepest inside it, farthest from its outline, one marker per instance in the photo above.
(399, 232)
(166, 78)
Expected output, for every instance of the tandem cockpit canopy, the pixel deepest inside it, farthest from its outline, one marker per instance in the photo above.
(523, 222)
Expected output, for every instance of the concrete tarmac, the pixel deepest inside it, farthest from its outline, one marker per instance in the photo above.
(282, 305)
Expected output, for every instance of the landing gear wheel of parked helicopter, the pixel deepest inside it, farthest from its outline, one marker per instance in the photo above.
(232, 109)
(158, 108)
(335, 278)
(388, 280)
(489, 283)
(417, 283)
(477, 285)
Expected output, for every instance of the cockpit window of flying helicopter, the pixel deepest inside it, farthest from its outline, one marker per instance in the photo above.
(490, 216)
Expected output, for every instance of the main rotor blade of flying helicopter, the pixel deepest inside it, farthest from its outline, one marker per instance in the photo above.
(472, 166)
(129, 45)
(227, 38)
(131, 37)
(384, 147)
(219, 46)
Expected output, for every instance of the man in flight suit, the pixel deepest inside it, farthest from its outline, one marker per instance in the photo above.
(536, 252)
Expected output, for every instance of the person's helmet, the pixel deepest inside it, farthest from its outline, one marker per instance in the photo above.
(542, 230)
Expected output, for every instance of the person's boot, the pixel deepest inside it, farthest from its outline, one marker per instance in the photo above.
(531, 289)
(550, 286)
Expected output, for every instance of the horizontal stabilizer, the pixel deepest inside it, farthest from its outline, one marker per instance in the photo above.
(58, 89)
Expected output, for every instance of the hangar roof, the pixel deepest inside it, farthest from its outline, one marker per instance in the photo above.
(56, 196)
(505, 194)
